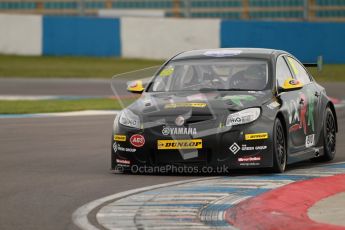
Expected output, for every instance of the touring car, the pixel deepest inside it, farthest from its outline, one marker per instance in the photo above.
(243, 108)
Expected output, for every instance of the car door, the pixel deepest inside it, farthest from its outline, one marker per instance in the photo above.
(304, 136)
(291, 106)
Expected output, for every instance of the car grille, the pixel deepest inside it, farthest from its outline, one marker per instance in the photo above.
(159, 157)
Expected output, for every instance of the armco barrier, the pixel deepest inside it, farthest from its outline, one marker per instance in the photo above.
(160, 38)
(84, 36)
(303, 39)
(20, 34)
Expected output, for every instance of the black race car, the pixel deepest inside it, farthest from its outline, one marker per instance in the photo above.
(240, 108)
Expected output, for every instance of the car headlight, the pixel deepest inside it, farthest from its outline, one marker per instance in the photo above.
(128, 118)
(243, 117)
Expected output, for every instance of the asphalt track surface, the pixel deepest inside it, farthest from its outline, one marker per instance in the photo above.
(75, 87)
(51, 166)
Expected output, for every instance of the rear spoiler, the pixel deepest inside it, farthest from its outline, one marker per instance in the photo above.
(317, 65)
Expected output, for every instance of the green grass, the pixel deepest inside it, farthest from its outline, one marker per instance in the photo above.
(49, 106)
(95, 67)
(69, 67)
(91, 67)
(334, 72)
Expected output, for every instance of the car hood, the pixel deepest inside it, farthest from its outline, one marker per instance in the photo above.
(213, 102)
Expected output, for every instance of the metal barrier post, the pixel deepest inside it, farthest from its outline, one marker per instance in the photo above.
(245, 9)
(311, 10)
(81, 7)
(39, 7)
(306, 10)
(187, 8)
(176, 8)
(108, 4)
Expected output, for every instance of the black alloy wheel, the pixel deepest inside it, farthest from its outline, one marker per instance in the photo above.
(279, 147)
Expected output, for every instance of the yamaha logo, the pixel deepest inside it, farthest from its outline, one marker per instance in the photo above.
(165, 131)
(179, 121)
(178, 131)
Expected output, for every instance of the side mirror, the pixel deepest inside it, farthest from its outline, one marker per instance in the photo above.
(135, 86)
(291, 84)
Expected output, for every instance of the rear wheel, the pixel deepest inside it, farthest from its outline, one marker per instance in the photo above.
(279, 147)
(329, 135)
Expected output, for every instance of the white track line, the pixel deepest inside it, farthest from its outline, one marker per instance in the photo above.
(79, 217)
(62, 114)
(27, 97)
(80, 113)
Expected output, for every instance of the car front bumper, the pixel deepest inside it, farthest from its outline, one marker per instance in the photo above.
(243, 146)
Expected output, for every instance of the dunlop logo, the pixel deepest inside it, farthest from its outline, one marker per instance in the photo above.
(185, 105)
(120, 138)
(179, 144)
(256, 136)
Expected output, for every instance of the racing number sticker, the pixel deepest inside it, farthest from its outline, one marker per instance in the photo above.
(309, 140)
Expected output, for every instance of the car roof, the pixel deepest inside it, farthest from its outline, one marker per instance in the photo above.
(229, 52)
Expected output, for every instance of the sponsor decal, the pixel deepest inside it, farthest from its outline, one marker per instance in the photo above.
(256, 136)
(234, 148)
(247, 148)
(196, 97)
(299, 114)
(137, 140)
(303, 113)
(294, 82)
(255, 92)
(251, 148)
(178, 131)
(125, 162)
(293, 111)
(311, 100)
(248, 159)
(262, 147)
(309, 140)
(249, 164)
(235, 120)
(222, 53)
(117, 147)
(179, 144)
(273, 105)
(167, 71)
(119, 137)
(237, 99)
(294, 128)
(185, 105)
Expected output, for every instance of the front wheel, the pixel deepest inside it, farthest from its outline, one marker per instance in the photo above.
(279, 147)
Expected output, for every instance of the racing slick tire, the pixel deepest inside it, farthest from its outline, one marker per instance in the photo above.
(279, 147)
(329, 137)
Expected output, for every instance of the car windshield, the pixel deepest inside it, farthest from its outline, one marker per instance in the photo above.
(212, 74)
